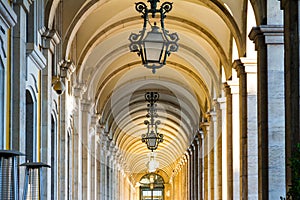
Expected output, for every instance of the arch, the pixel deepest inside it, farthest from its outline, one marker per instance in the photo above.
(152, 187)
(50, 10)
(259, 8)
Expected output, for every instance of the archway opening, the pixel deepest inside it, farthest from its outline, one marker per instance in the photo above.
(152, 187)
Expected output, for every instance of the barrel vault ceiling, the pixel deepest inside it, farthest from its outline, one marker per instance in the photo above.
(95, 38)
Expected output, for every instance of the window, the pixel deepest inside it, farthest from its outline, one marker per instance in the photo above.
(152, 187)
(69, 153)
(53, 158)
(30, 128)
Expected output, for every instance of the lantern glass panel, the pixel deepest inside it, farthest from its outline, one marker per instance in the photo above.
(152, 139)
(154, 45)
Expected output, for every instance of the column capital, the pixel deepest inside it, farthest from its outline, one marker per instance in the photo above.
(234, 86)
(94, 120)
(190, 150)
(226, 89)
(205, 127)
(100, 128)
(79, 89)
(216, 106)
(207, 117)
(272, 34)
(67, 67)
(193, 145)
(239, 67)
(250, 65)
(222, 102)
(200, 134)
(86, 105)
(51, 38)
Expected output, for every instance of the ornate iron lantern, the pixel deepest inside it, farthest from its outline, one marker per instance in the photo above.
(152, 138)
(156, 45)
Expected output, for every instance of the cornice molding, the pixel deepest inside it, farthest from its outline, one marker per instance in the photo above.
(36, 55)
(24, 3)
(7, 14)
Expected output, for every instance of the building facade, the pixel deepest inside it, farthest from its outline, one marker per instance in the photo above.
(72, 96)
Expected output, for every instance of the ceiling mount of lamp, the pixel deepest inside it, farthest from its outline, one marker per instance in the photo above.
(156, 45)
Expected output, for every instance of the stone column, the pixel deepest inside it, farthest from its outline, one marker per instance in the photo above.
(85, 143)
(98, 164)
(200, 164)
(250, 69)
(77, 147)
(241, 74)
(271, 111)
(8, 20)
(93, 154)
(229, 153)
(50, 40)
(205, 128)
(235, 138)
(62, 146)
(104, 163)
(291, 80)
(190, 173)
(186, 178)
(211, 155)
(222, 167)
(216, 116)
(18, 101)
(196, 168)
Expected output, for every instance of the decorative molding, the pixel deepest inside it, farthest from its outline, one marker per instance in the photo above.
(267, 34)
(25, 4)
(227, 89)
(234, 87)
(7, 15)
(79, 89)
(36, 56)
(66, 68)
(86, 105)
(51, 38)
(239, 67)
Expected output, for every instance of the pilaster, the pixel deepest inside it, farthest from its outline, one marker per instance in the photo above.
(235, 123)
(291, 12)
(222, 167)
(269, 42)
(251, 71)
(46, 112)
(216, 118)
(66, 69)
(86, 107)
(241, 74)
(200, 145)
(7, 21)
(229, 152)
(206, 181)
(196, 167)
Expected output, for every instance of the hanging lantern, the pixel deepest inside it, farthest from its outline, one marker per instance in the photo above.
(157, 44)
